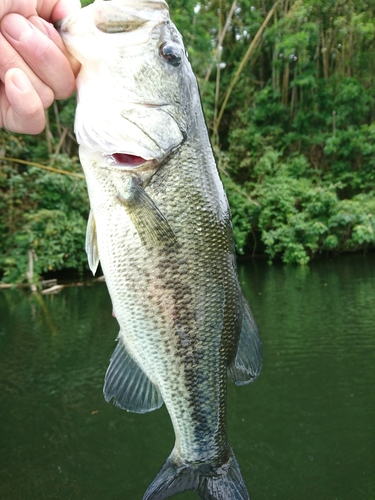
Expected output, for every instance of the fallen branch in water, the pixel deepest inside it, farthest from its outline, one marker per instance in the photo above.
(50, 286)
(53, 289)
(44, 284)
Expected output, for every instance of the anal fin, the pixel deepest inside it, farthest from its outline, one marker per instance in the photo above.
(127, 383)
(247, 363)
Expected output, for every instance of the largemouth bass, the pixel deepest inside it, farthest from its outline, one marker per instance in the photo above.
(160, 226)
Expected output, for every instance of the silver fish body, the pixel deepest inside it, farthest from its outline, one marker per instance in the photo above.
(160, 225)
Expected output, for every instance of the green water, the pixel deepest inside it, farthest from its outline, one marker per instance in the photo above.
(304, 430)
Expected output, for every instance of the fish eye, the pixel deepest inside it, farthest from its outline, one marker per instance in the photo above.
(170, 54)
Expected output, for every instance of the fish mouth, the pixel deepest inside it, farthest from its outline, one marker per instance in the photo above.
(126, 161)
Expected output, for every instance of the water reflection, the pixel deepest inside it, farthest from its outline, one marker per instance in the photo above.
(318, 330)
(304, 430)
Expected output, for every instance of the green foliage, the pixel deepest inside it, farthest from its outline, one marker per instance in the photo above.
(55, 239)
(244, 213)
(297, 216)
(41, 212)
(296, 143)
(303, 146)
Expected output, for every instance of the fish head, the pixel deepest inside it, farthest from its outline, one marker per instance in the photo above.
(136, 85)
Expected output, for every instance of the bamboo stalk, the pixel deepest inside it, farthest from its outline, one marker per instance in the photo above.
(61, 141)
(57, 117)
(49, 136)
(324, 56)
(218, 69)
(329, 41)
(275, 72)
(317, 56)
(221, 38)
(285, 89)
(240, 68)
(350, 51)
(293, 100)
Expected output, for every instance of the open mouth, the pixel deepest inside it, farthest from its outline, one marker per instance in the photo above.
(126, 160)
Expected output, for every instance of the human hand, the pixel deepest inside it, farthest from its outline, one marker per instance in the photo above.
(35, 67)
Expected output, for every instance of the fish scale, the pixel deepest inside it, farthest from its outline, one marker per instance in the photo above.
(161, 229)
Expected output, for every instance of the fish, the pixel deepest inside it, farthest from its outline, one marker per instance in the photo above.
(160, 226)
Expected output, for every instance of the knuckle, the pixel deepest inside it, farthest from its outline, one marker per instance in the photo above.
(43, 49)
(33, 120)
(9, 57)
(47, 97)
(45, 93)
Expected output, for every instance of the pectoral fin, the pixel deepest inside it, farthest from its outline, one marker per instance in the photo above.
(92, 244)
(247, 363)
(152, 226)
(130, 387)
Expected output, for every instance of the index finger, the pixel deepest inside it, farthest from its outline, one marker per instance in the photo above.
(54, 35)
(40, 54)
(54, 10)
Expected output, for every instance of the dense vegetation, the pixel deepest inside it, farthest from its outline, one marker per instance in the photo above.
(288, 91)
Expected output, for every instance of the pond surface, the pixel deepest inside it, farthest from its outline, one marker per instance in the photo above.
(304, 430)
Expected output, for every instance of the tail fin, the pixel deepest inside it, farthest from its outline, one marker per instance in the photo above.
(224, 483)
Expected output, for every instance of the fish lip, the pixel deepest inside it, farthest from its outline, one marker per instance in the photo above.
(115, 164)
(57, 24)
(152, 104)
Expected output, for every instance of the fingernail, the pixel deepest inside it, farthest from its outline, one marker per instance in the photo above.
(17, 27)
(21, 81)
